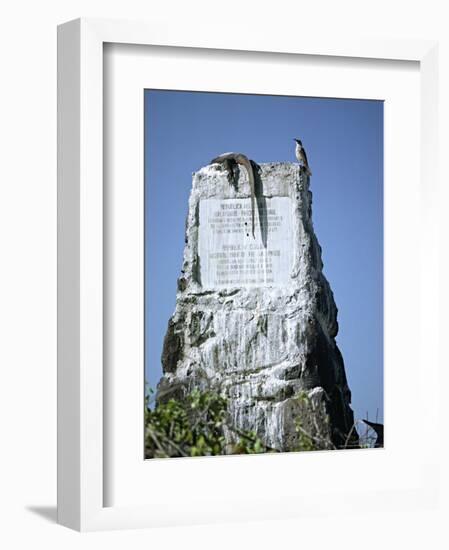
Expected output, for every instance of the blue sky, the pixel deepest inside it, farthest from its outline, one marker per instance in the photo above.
(344, 143)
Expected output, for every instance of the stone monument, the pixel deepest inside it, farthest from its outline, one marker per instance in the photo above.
(255, 317)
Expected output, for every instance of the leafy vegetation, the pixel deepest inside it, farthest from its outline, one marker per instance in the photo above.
(200, 425)
(195, 427)
(312, 425)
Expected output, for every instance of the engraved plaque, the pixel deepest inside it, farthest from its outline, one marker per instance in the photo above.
(229, 254)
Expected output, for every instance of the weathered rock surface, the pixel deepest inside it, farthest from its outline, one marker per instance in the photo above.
(262, 336)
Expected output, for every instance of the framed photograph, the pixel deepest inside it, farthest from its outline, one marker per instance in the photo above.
(237, 247)
(246, 323)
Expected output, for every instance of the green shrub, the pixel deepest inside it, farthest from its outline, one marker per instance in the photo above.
(195, 426)
(200, 425)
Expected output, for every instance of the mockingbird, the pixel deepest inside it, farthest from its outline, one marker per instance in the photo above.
(302, 157)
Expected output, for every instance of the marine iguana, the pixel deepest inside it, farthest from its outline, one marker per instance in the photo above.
(379, 429)
(229, 160)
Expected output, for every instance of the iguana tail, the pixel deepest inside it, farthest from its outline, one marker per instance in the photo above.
(244, 161)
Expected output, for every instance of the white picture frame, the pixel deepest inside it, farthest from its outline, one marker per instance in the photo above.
(82, 391)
